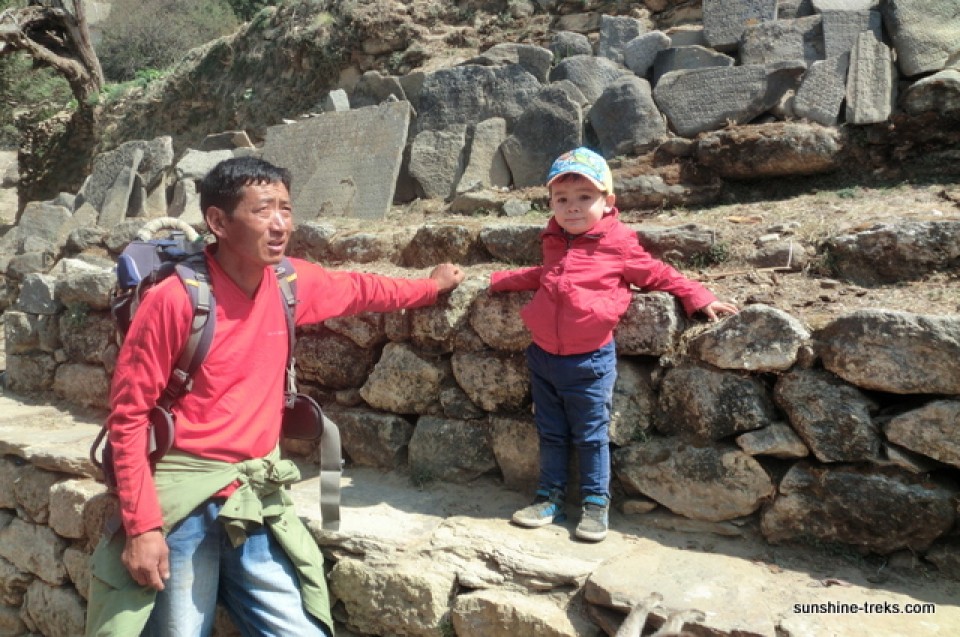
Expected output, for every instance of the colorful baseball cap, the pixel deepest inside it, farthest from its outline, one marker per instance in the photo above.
(583, 161)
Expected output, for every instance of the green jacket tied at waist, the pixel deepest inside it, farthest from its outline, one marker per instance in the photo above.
(118, 606)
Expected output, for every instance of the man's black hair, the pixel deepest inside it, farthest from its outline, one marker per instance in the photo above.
(223, 185)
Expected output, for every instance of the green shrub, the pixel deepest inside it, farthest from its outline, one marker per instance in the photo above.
(246, 9)
(153, 35)
(31, 93)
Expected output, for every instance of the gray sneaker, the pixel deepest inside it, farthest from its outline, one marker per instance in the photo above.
(594, 519)
(547, 508)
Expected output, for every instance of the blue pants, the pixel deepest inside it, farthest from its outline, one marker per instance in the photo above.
(572, 399)
(255, 581)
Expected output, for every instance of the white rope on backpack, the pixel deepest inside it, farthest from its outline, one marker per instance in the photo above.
(167, 223)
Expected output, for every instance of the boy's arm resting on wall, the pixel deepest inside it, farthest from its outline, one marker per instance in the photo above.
(516, 280)
(716, 309)
(648, 273)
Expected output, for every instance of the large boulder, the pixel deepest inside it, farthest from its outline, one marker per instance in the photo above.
(896, 352)
(888, 253)
(832, 417)
(771, 150)
(877, 510)
(709, 482)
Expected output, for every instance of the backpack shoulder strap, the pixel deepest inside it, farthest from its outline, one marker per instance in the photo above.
(331, 458)
(287, 278)
(287, 282)
(195, 276)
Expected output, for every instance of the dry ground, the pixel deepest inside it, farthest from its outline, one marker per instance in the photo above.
(819, 214)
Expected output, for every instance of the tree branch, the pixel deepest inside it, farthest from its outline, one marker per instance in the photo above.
(56, 37)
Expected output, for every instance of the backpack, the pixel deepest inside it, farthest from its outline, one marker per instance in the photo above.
(144, 263)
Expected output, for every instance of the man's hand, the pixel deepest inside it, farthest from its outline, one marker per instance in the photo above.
(447, 275)
(718, 308)
(146, 557)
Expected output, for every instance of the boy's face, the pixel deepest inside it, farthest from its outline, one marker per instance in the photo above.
(577, 204)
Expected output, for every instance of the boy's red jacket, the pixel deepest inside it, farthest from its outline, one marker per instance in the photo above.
(583, 286)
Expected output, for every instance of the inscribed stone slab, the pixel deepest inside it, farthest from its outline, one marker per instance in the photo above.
(871, 82)
(626, 119)
(705, 99)
(155, 157)
(486, 166)
(551, 125)
(822, 91)
(842, 28)
(799, 39)
(344, 164)
(436, 160)
(116, 200)
(470, 94)
(725, 20)
(924, 32)
(615, 32)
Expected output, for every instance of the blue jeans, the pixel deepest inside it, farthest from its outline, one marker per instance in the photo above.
(255, 582)
(572, 399)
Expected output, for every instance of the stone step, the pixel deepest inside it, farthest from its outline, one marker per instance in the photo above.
(741, 584)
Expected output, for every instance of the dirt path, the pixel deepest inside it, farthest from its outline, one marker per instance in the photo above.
(743, 584)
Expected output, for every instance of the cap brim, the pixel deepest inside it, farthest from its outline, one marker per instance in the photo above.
(600, 186)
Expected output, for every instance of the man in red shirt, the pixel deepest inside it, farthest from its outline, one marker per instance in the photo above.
(229, 423)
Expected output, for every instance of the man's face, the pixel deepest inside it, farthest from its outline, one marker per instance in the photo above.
(577, 204)
(257, 232)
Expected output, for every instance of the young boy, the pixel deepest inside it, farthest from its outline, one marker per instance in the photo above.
(590, 260)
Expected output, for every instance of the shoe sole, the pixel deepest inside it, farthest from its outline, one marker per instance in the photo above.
(536, 524)
(591, 536)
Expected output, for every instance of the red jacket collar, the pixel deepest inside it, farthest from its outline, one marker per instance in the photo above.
(606, 221)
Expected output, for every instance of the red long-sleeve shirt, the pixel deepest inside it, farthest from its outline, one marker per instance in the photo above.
(583, 286)
(234, 410)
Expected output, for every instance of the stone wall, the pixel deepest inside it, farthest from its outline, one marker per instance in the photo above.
(843, 435)
(756, 415)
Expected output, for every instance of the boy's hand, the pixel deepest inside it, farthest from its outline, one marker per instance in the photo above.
(447, 275)
(718, 308)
